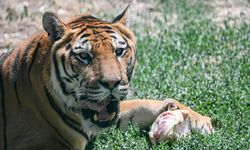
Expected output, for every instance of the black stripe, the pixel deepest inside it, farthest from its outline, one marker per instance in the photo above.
(81, 24)
(122, 43)
(94, 92)
(76, 77)
(64, 67)
(83, 42)
(118, 123)
(67, 120)
(15, 75)
(122, 90)
(27, 50)
(81, 82)
(72, 68)
(126, 41)
(67, 79)
(55, 129)
(82, 30)
(78, 47)
(95, 23)
(33, 59)
(2, 54)
(100, 27)
(127, 47)
(58, 77)
(113, 37)
(85, 35)
(125, 51)
(76, 26)
(110, 31)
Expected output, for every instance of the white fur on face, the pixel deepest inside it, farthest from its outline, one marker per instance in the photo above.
(67, 100)
(118, 41)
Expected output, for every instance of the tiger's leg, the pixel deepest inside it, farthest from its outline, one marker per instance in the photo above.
(144, 112)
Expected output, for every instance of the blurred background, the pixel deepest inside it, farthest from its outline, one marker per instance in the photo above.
(21, 18)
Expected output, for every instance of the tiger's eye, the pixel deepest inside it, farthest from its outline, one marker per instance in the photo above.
(85, 58)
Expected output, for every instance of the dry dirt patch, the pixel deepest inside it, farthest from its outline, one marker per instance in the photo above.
(236, 11)
(21, 18)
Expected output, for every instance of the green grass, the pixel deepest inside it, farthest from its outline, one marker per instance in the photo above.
(202, 64)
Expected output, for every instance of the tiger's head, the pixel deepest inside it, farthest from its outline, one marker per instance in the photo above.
(92, 62)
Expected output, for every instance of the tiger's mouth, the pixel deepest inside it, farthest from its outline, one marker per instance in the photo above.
(102, 113)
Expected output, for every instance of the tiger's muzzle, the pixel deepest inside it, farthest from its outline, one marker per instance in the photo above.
(102, 113)
(101, 102)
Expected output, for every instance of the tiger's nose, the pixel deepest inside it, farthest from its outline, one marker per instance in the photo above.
(110, 84)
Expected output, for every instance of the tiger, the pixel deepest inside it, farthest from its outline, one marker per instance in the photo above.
(67, 83)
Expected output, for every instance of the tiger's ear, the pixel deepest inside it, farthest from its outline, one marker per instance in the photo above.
(122, 18)
(53, 26)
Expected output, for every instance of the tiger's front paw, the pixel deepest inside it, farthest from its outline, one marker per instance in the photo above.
(198, 122)
(202, 124)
